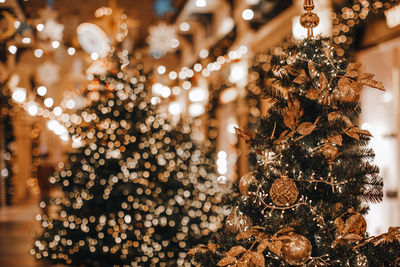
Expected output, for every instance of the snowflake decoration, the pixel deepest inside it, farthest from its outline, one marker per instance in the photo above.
(52, 30)
(47, 73)
(163, 7)
(162, 39)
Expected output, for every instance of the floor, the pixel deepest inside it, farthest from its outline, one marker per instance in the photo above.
(17, 225)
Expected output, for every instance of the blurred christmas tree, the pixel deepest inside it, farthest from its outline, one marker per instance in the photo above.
(137, 191)
(303, 203)
(6, 143)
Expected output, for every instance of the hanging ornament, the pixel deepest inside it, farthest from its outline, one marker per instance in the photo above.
(347, 91)
(330, 152)
(245, 182)
(309, 20)
(284, 191)
(47, 73)
(350, 227)
(162, 39)
(296, 249)
(238, 222)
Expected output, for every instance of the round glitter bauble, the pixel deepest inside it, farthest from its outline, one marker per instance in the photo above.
(238, 222)
(309, 20)
(283, 191)
(245, 182)
(347, 91)
(296, 249)
(355, 223)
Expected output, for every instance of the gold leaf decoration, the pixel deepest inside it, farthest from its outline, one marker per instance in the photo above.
(285, 135)
(226, 261)
(306, 128)
(246, 134)
(312, 70)
(336, 139)
(284, 230)
(373, 83)
(212, 247)
(339, 224)
(292, 70)
(263, 245)
(246, 234)
(333, 116)
(323, 82)
(352, 132)
(198, 249)
(312, 94)
(276, 247)
(236, 250)
(257, 258)
(289, 120)
(301, 78)
(292, 113)
(353, 70)
(352, 237)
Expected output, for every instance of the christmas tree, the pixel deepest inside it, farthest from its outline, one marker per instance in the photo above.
(303, 204)
(6, 141)
(137, 191)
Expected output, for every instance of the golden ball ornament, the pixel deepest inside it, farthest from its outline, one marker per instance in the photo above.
(296, 249)
(284, 191)
(347, 91)
(355, 223)
(237, 221)
(309, 20)
(245, 182)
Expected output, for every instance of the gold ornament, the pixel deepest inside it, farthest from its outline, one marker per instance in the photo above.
(350, 227)
(330, 152)
(284, 191)
(238, 222)
(309, 20)
(347, 91)
(245, 182)
(296, 249)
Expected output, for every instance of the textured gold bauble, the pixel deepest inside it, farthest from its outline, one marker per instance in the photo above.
(245, 182)
(283, 191)
(238, 222)
(355, 223)
(296, 249)
(309, 20)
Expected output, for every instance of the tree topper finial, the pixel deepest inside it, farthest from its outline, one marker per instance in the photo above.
(309, 20)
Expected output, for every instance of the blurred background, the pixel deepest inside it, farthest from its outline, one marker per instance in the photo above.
(208, 57)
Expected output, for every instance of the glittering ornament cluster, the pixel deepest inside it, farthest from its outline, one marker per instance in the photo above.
(301, 204)
(138, 192)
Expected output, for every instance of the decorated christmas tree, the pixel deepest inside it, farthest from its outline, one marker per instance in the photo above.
(6, 141)
(137, 192)
(304, 201)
